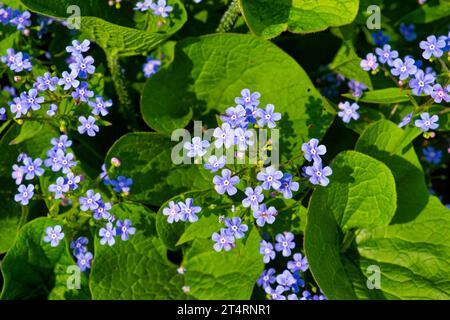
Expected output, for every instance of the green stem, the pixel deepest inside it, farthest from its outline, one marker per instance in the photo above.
(229, 18)
(348, 240)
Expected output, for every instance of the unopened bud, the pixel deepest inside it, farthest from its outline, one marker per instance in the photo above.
(115, 162)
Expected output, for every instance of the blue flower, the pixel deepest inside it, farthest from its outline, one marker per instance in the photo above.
(161, 8)
(286, 279)
(53, 235)
(33, 168)
(248, 100)
(34, 101)
(11, 90)
(18, 106)
(266, 249)
(235, 116)
(59, 188)
(83, 66)
(264, 215)
(107, 235)
(6, 14)
(21, 62)
(270, 178)
(196, 148)
(243, 138)
(2, 114)
(356, 88)
(267, 278)
(88, 125)
(379, 38)
(143, 5)
(124, 229)
(313, 150)
(403, 69)
(22, 20)
(426, 122)
(254, 198)
(298, 264)
(406, 120)
(235, 228)
(102, 210)
(172, 212)
(100, 106)
(432, 155)
(385, 55)
(66, 161)
(275, 294)
(421, 83)
(223, 241)
(407, 31)
(215, 163)
(46, 82)
(369, 63)
(79, 245)
(25, 194)
(69, 80)
(151, 66)
(122, 184)
(82, 92)
(267, 116)
(90, 202)
(348, 111)
(287, 186)
(225, 183)
(432, 47)
(439, 93)
(187, 211)
(84, 261)
(78, 48)
(18, 173)
(317, 174)
(224, 136)
(285, 242)
(62, 142)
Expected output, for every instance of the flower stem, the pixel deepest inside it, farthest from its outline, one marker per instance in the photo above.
(229, 18)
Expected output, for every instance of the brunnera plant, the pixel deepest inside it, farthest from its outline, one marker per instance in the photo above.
(206, 149)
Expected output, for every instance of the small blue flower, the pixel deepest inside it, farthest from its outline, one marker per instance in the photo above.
(187, 211)
(385, 55)
(33, 168)
(243, 138)
(34, 101)
(224, 136)
(403, 69)
(196, 148)
(348, 112)
(90, 202)
(53, 235)
(254, 198)
(235, 228)
(69, 80)
(264, 215)
(102, 210)
(317, 174)
(270, 177)
(18, 173)
(79, 245)
(78, 48)
(268, 116)
(46, 82)
(266, 249)
(406, 120)
(426, 122)
(21, 20)
(83, 66)
(82, 92)
(223, 241)
(225, 183)
(432, 155)
(88, 125)
(143, 5)
(6, 14)
(66, 161)
(18, 106)
(287, 186)
(214, 163)
(407, 31)
(99, 106)
(439, 93)
(369, 63)
(25, 194)
(356, 88)
(421, 83)
(124, 229)
(235, 116)
(151, 66)
(379, 38)
(267, 278)
(298, 264)
(84, 261)
(122, 184)
(432, 47)
(107, 235)
(59, 188)
(275, 294)
(172, 212)
(248, 100)
(313, 150)
(161, 8)
(285, 242)
(62, 142)
(286, 279)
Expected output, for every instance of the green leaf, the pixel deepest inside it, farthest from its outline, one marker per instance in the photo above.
(346, 62)
(428, 13)
(268, 18)
(382, 96)
(32, 269)
(9, 222)
(8, 42)
(146, 158)
(138, 268)
(27, 131)
(210, 71)
(223, 275)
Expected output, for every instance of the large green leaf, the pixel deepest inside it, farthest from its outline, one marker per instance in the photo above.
(428, 13)
(268, 18)
(32, 269)
(146, 158)
(138, 268)
(210, 71)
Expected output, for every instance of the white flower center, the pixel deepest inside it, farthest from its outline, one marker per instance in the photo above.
(432, 47)
(403, 69)
(226, 182)
(421, 83)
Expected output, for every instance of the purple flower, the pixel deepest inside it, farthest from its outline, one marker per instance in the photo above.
(33, 168)
(298, 264)
(46, 82)
(264, 215)
(348, 111)
(385, 55)
(187, 211)
(317, 175)
(62, 143)
(313, 150)
(224, 136)
(19, 107)
(275, 294)
(79, 245)
(439, 93)
(90, 202)
(406, 120)
(2, 114)
(286, 279)
(124, 229)
(66, 161)
(10, 57)
(22, 20)
(83, 66)
(285, 242)
(266, 278)
(6, 15)
(53, 235)
(243, 138)
(151, 67)
(172, 212)
(25, 194)
(33, 99)
(287, 186)
(356, 88)
(225, 183)
(69, 80)
(421, 83)
(143, 5)
(432, 47)
(18, 174)
(426, 122)
(248, 99)
(107, 235)
(88, 125)
(223, 241)
(122, 184)
(102, 210)
(407, 31)
(254, 198)
(161, 8)
(78, 48)
(267, 116)
(369, 63)
(266, 249)
(59, 188)
(100, 106)
(403, 69)
(235, 228)
(379, 38)
(215, 163)
(84, 261)
(82, 92)
(235, 116)
(270, 178)
(196, 148)
(432, 155)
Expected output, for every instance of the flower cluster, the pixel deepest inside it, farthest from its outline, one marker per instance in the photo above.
(80, 251)
(16, 62)
(15, 18)
(183, 211)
